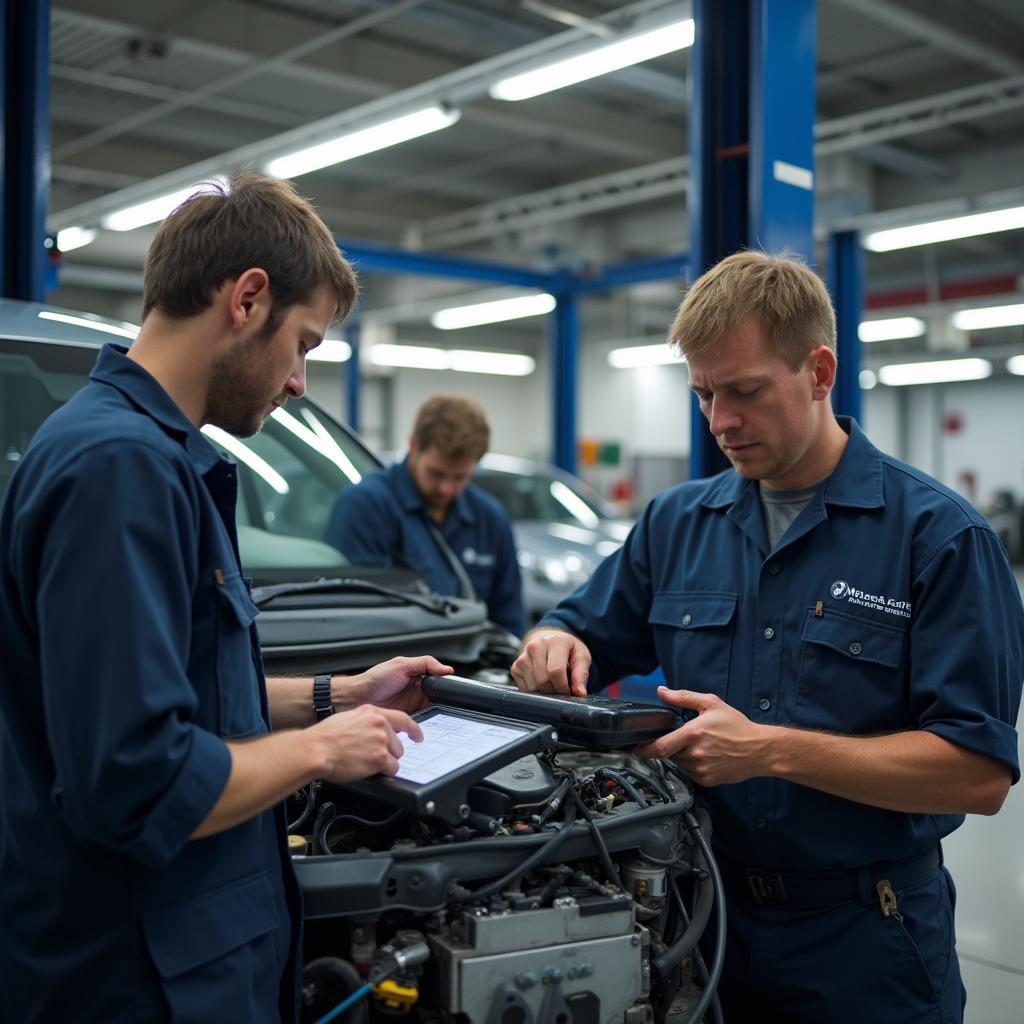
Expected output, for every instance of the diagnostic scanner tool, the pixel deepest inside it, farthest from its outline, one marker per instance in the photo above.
(594, 722)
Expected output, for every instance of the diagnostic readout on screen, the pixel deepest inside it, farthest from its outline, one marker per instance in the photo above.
(451, 742)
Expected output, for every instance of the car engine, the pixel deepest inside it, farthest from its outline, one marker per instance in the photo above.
(573, 890)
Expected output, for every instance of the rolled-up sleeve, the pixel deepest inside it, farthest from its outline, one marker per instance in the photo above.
(133, 772)
(967, 646)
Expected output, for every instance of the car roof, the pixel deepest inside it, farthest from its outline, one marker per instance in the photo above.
(41, 322)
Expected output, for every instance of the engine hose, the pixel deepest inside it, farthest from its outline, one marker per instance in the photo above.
(672, 957)
(345, 974)
(654, 784)
(307, 811)
(634, 794)
(556, 801)
(715, 975)
(463, 895)
(602, 847)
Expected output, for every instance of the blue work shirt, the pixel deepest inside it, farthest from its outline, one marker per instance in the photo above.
(129, 656)
(383, 521)
(888, 605)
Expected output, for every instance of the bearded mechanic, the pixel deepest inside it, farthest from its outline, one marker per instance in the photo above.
(848, 637)
(146, 876)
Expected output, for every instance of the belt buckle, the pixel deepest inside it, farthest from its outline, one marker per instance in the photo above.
(766, 887)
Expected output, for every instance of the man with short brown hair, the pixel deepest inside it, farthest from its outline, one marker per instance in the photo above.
(847, 638)
(146, 876)
(424, 512)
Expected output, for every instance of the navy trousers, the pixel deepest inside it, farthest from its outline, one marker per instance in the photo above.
(845, 964)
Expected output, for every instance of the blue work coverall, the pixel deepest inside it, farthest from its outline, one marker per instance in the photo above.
(129, 656)
(888, 605)
(383, 521)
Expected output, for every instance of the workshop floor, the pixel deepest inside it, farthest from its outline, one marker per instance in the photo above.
(986, 858)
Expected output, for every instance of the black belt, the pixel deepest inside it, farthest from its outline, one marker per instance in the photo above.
(782, 889)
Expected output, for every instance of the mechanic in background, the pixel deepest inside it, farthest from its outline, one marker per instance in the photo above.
(143, 857)
(849, 638)
(399, 514)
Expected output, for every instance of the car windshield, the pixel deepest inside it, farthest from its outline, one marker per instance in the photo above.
(543, 496)
(289, 474)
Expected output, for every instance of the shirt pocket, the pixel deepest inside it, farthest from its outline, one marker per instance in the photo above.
(238, 685)
(693, 633)
(851, 676)
(217, 954)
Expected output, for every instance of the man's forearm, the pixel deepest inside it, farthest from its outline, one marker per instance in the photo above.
(291, 699)
(263, 772)
(913, 772)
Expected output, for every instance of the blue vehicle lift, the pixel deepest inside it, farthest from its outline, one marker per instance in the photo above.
(751, 125)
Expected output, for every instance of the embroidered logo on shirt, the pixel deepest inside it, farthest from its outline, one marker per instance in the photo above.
(470, 556)
(879, 602)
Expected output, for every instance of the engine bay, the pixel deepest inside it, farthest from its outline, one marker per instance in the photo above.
(573, 887)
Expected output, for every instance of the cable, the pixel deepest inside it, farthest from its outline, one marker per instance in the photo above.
(715, 974)
(634, 794)
(359, 993)
(321, 836)
(698, 958)
(294, 826)
(463, 895)
(602, 847)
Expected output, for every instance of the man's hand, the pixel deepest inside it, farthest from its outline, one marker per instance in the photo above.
(720, 745)
(553, 661)
(393, 684)
(363, 742)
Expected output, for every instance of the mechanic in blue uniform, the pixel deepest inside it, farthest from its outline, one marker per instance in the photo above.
(146, 876)
(847, 635)
(397, 516)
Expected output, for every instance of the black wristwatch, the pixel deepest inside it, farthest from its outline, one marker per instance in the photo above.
(322, 706)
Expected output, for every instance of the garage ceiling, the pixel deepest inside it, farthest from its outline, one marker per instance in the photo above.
(917, 102)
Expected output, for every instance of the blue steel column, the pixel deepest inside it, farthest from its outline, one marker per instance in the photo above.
(25, 27)
(751, 143)
(564, 344)
(717, 200)
(846, 283)
(353, 375)
(782, 90)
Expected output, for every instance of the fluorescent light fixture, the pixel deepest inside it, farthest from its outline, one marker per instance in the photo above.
(967, 226)
(412, 357)
(1015, 364)
(504, 364)
(599, 61)
(422, 357)
(868, 379)
(367, 140)
(331, 350)
(986, 317)
(120, 330)
(495, 312)
(256, 463)
(642, 355)
(74, 238)
(942, 371)
(891, 329)
(152, 210)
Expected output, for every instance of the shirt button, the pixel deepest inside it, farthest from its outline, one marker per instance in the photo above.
(855, 648)
(687, 619)
(764, 704)
(760, 823)
(773, 568)
(768, 632)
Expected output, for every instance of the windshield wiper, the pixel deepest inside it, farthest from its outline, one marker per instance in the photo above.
(436, 604)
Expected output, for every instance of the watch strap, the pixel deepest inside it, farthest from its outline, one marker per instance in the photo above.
(322, 706)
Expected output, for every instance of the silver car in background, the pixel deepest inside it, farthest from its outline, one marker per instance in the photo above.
(563, 528)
